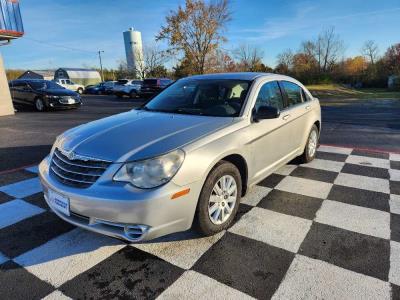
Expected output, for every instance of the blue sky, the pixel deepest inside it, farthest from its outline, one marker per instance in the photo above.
(271, 25)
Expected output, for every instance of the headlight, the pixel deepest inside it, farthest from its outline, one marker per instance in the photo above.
(150, 173)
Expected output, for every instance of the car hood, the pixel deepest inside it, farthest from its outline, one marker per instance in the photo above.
(60, 92)
(137, 135)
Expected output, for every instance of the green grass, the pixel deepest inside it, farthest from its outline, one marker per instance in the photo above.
(336, 91)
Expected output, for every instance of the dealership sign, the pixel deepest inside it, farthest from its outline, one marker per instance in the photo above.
(10, 20)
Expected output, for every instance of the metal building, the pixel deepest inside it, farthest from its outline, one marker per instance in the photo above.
(134, 50)
(80, 76)
(38, 74)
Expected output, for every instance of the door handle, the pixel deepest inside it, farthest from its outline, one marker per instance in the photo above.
(285, 117)
(308, 107)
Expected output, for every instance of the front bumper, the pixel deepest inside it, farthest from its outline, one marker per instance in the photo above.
(121, 210)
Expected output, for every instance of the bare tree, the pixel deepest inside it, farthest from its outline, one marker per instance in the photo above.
(196, 30)
(328, 49)
(250, 58)
(285, 61)
(150, 59)
(370, 50)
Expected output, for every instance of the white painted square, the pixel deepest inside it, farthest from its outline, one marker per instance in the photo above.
(363, 182)
(368, 161)
(3, 258)
(17, 210)
(285, 170)
(56, 295)
(327, 165)
(68, 255)
(394, 273)
(394, 175)
(194, 286)
(183, 250)
(332, 149)
(33, 169)
(255, 194)
(394, 204)
(276, 229)
(355, 218)
(394, 156)
(307, 187)
(23, 188)
(309, 278)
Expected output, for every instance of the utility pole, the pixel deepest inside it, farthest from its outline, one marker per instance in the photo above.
(101, 65)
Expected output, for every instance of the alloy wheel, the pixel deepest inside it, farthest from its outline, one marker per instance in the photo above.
(312, 143)
(222, 199)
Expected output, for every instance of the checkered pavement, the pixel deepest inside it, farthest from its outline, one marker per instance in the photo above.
(329, 229)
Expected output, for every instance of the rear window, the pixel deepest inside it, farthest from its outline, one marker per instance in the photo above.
(121, 82)
(150, 81)
(136, 82)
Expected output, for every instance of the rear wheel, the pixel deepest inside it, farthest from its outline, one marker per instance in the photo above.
(80, 91)
(39, 105)
(311, 146)
(219, 199)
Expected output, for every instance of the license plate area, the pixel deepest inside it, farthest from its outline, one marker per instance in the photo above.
(59, 202)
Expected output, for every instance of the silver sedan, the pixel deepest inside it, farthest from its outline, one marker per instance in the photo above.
(184, 159)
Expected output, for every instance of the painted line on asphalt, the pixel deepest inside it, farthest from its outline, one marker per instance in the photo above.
(376, 150)
(17, 169)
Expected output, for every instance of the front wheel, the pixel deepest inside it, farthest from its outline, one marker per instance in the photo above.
(80, 91)
(219, 199)
(310, 149)
(39, 105)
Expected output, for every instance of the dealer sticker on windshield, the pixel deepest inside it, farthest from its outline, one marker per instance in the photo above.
(59, 202)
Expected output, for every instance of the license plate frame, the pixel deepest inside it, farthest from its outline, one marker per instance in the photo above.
(59, 202)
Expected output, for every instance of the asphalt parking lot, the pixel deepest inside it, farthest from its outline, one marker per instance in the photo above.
(326, 230)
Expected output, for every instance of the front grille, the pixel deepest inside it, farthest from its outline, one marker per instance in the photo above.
(76, 173)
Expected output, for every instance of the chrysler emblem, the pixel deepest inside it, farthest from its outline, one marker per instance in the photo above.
(71, 155)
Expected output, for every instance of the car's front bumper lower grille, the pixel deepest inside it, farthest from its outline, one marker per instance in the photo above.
(75, 172)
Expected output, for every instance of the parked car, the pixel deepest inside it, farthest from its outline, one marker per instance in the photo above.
(182, 160)
(152, 86)
(127, 87)
(43, 94)
(103, 88)
(68, 84)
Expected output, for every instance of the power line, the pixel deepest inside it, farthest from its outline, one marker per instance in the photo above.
(60, 46)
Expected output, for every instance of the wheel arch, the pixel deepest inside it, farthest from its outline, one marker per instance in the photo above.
(240, 163)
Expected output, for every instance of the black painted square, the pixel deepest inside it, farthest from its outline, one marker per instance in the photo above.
(31, 233)
(272, 180)
(13, 177)
(18, 283)
(395, 227)
(366, 171)
(370, 199)
(350, 250)
(247, 265)
(242, 210)
(5, 198)
(38, 200)
(291, 204)
(395, 187)
(127, 274)
(370, 154)
(395, 165)
(331, 156)
(315, 174)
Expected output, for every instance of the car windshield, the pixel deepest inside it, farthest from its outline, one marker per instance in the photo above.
(221, 98)
(45, 85)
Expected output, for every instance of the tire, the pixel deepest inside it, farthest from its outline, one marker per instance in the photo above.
(133, 94)
(310, 150)
(207, 220)
(39, 105)
(79, 91)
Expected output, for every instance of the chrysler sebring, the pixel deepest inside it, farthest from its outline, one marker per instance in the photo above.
(184, 159)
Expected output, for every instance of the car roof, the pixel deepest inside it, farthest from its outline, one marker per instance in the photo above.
(236, 75)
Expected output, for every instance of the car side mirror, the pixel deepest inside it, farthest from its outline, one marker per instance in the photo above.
(266, 112)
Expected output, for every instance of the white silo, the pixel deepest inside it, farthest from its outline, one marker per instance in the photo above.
(134, 50)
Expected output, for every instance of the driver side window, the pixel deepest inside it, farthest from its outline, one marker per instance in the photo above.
(270, 95)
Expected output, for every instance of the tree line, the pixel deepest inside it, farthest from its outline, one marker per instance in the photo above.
(196, 31)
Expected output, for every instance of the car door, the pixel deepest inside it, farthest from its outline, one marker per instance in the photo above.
(297, 110)
(271, 138)
(19, 92)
